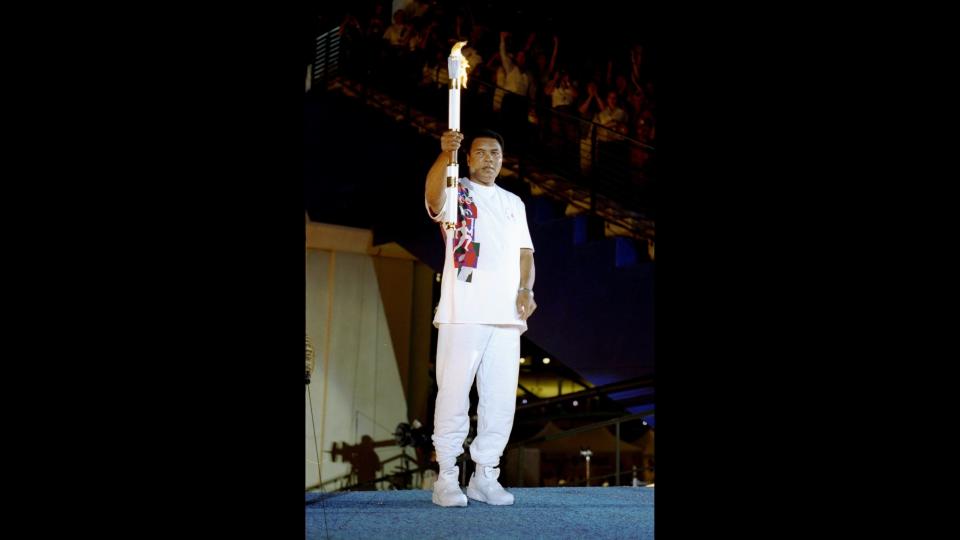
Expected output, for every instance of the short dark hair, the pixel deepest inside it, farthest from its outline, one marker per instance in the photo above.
(486, 134)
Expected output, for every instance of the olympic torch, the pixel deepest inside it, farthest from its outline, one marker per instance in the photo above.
(457, 69)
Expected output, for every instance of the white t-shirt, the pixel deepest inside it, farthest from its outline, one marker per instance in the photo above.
(491, 230)
(562, 96)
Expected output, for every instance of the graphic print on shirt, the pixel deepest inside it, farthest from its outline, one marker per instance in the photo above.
(466, 252)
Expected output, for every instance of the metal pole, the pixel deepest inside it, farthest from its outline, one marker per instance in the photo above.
(618, 454)
(587, 453)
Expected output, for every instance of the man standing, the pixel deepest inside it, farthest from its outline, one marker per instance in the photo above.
(486, 299)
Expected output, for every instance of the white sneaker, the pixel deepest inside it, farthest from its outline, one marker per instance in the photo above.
(446, 490)
(484, 487)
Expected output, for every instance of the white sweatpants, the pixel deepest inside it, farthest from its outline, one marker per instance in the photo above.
(492, 354)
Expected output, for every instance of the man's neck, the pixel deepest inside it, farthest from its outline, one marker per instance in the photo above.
(479, 183)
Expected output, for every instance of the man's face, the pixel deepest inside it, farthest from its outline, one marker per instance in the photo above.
(612, 100)
(485, 159)
(621, 83)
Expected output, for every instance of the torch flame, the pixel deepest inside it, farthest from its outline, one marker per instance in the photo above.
(458, 64)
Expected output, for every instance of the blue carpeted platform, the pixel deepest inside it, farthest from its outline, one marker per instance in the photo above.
(579, 512)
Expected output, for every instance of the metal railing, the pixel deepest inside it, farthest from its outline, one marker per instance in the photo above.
(326, 59)
(620, 386)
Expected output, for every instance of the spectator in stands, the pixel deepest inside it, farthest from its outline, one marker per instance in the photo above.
(611, 151)
(398, 34)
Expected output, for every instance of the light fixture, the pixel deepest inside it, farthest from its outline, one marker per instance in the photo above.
(546, 360)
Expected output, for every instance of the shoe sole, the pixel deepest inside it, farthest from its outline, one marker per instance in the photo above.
(477, 496)
(459, 504)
